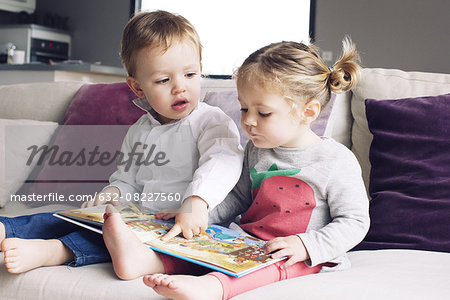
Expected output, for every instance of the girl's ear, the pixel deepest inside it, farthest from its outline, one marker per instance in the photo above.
(135, 87)
(310, 112)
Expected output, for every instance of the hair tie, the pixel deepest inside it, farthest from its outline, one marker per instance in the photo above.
(331, 69)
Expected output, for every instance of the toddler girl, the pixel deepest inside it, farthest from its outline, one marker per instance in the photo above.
(302, 193)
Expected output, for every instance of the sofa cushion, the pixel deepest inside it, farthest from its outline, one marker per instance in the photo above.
(47, 101)
(387, 84)
(16, 136)
(96, 121)
(320, 125)
(103, 104)
(410, 174)
(228, 102)
(375, 275)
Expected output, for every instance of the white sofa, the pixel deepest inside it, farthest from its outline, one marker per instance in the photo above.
(375, 274)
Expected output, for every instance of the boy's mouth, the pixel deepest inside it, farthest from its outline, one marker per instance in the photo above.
(180, 105)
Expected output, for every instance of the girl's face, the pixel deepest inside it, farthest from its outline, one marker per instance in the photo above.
(170, 81)
(268, 119)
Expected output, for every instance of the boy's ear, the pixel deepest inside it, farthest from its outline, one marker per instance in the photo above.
(135, 87)
(310, 112)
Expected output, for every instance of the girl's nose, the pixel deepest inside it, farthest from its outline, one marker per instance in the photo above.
(249, 120)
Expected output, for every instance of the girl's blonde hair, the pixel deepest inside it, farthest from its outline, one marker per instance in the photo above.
(155, 29)
(296, 71)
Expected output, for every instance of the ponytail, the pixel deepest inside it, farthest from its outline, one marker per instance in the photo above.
(345, 73)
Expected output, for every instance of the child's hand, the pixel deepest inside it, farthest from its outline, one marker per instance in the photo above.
(191, 220)
(110, 194)
(165, 215)
(290, 246)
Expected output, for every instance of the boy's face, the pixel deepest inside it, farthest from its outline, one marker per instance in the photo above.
(169, 81)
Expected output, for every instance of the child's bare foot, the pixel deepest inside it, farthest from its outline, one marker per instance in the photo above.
(185, 287)
(2, 232)
(130, 257)
(23, 255)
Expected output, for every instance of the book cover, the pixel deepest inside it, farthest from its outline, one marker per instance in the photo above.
(219, 248)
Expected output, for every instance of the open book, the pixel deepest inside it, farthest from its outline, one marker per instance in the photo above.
(219, 248)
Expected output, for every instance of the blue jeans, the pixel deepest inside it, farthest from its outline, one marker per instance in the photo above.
(87, 246)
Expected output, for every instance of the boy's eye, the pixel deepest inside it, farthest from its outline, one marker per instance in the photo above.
(264, 114)
(244, 110)
(190, 75)
(163, 80)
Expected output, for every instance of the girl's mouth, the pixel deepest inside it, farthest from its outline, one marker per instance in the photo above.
(251, 134)
(180, 105)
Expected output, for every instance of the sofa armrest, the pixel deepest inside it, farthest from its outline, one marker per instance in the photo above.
(37, 101)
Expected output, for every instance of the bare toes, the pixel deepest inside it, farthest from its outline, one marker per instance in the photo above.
(157, 278)
(167, 281)
(13, 268)
(10, 259)
(148, 281)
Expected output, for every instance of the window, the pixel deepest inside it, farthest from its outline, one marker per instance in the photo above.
(231, 30)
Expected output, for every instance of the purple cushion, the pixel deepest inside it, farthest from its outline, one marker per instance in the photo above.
(410, 174)
(94, 106)
(103, 104)
(320, 124)
(228, 102)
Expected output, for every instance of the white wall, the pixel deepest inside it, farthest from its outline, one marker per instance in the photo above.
(412, 35)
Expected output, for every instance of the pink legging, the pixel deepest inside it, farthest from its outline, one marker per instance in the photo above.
(233, 286)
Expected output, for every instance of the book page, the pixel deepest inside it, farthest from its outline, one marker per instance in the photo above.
(218, 245)
(128, 211)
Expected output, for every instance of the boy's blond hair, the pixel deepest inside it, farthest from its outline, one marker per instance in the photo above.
(155, 29)
(296, 71)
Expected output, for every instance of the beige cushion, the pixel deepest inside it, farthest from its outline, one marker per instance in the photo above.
(216, 85)
(340, 120)
(15, 137)
(385, 84)
(37, 101)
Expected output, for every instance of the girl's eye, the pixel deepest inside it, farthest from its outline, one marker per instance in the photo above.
(264, 115)
(190, 75)
(244, 110)
(165, 80)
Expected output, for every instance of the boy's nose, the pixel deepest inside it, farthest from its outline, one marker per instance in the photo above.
(178, 86)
